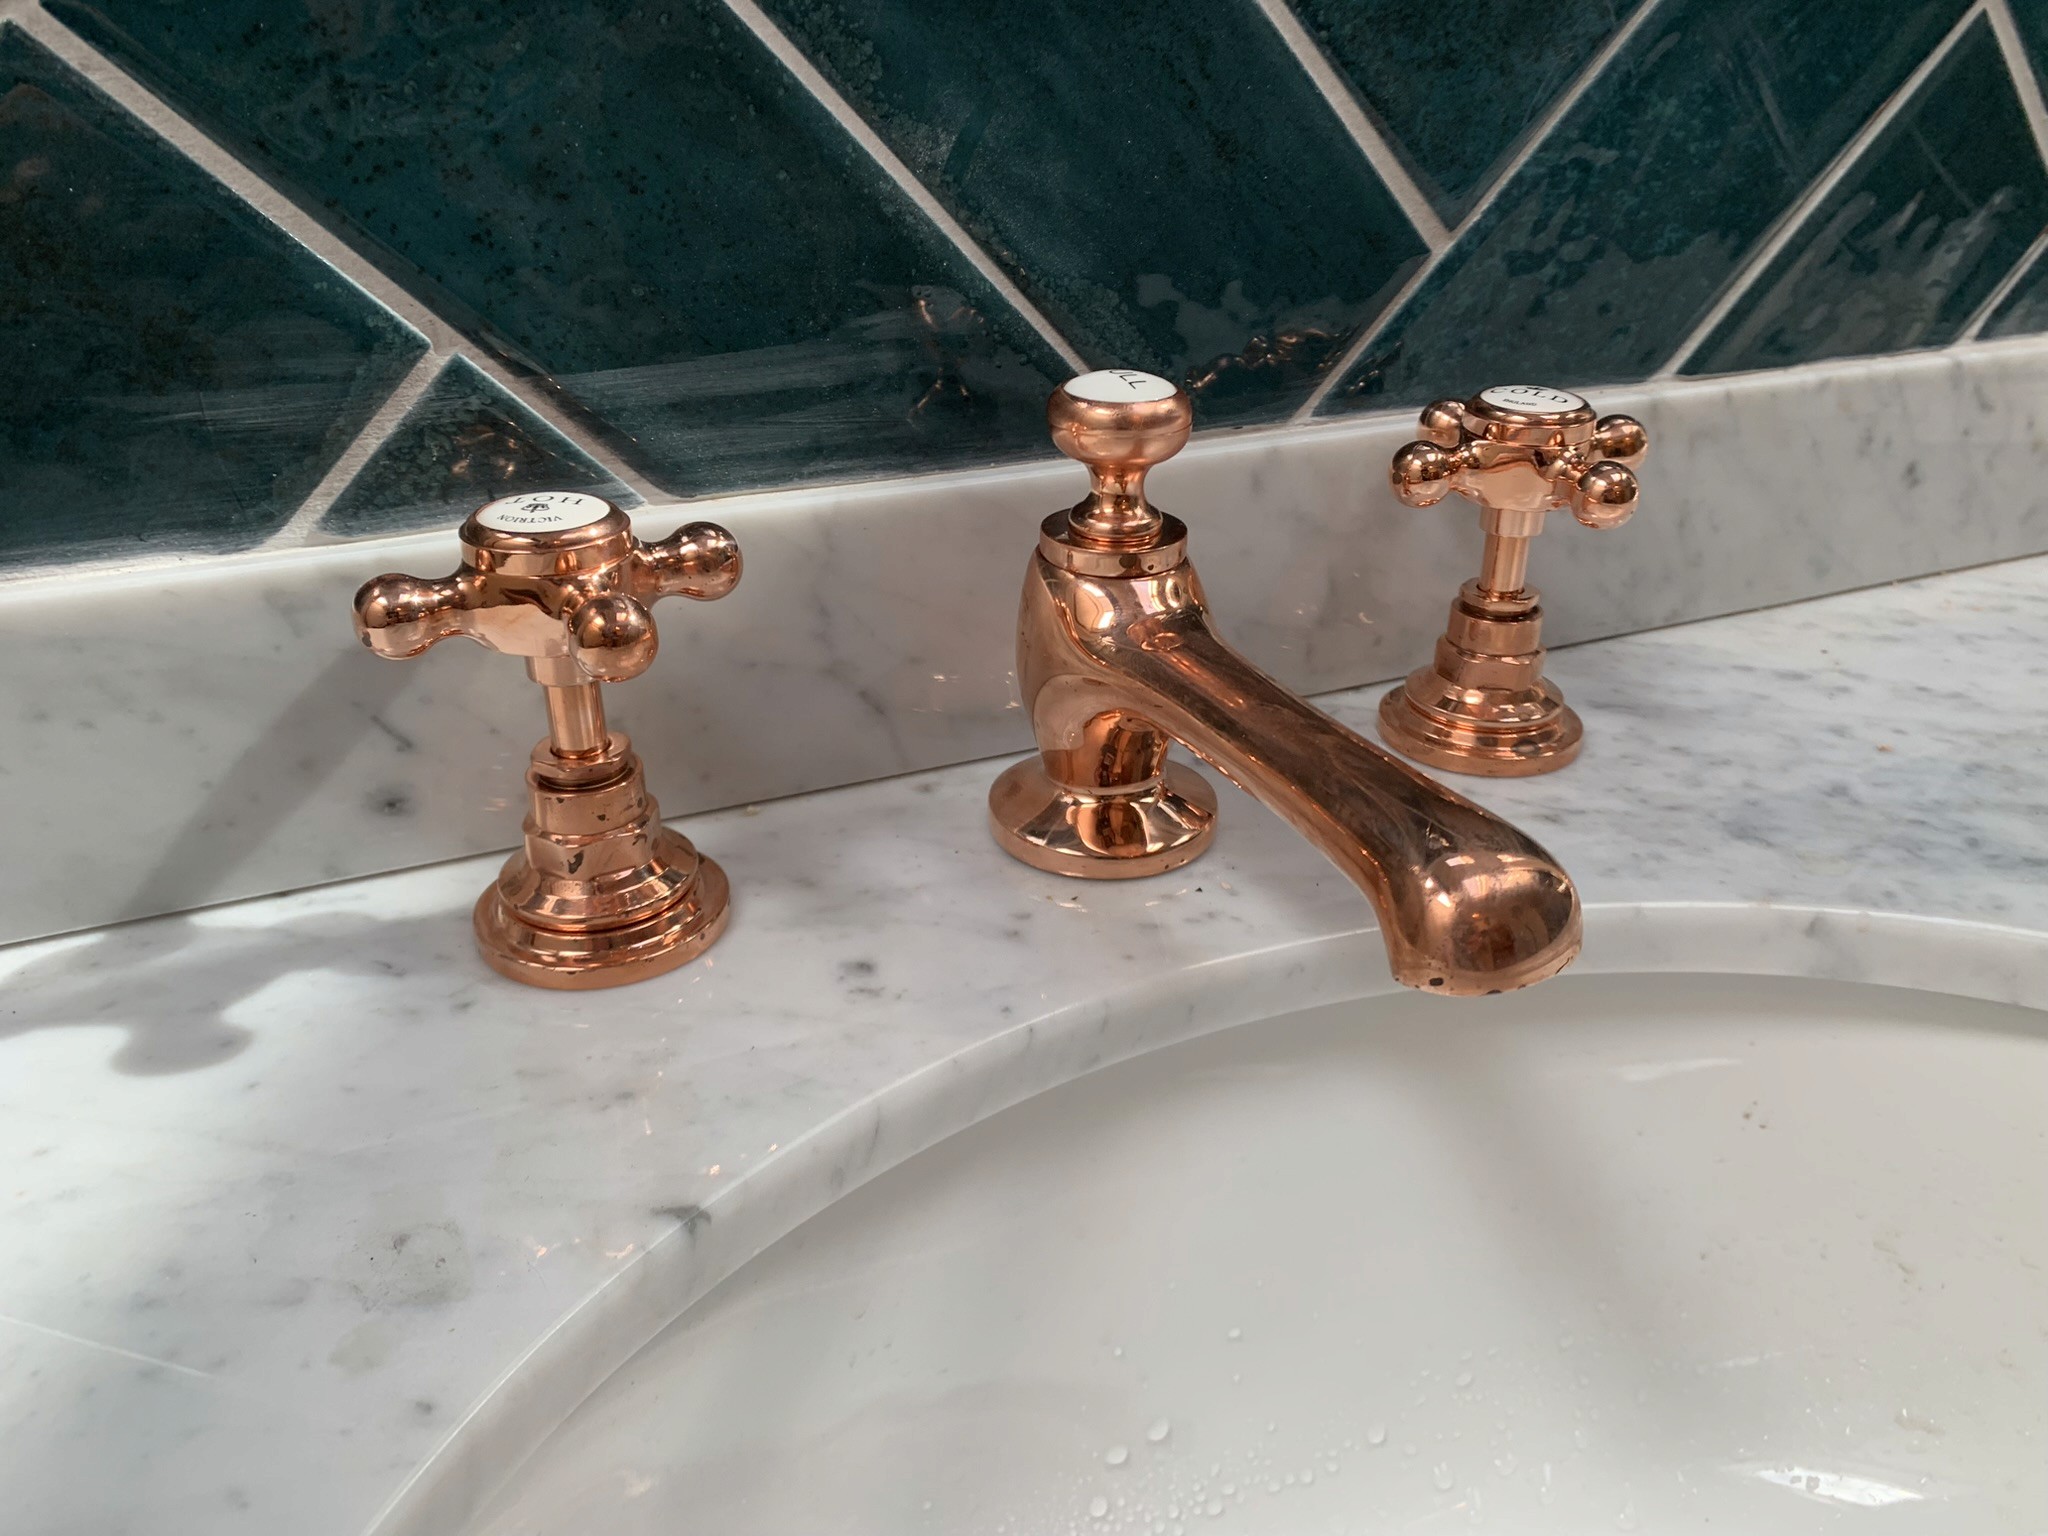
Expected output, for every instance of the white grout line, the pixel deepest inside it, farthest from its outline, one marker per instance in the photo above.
(1370, 141)
(791, 58)
(2006, 284)
(418, 380)
(192, 142)
(2021, 68)
(1793, 219)
(1531, 142)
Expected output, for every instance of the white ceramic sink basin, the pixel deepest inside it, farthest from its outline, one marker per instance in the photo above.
(1668, 1253)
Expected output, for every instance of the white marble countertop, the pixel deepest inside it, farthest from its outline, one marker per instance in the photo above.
(313, 1224)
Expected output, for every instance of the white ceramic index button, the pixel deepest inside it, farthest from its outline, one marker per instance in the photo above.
(1118, 386)
(541, 512)
(1535, 399)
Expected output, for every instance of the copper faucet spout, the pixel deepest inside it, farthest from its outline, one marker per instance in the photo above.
(1467, 904)
(1117, 659)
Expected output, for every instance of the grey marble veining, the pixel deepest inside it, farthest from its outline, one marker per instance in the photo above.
(318, 1226)
(211, 732)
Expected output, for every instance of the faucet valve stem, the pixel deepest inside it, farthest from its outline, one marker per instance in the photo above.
(1518, 451)
(601, 893)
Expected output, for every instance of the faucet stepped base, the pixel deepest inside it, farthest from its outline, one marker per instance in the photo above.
(602, 894)
(567, 961)
(1492, 733)
(1107, 834)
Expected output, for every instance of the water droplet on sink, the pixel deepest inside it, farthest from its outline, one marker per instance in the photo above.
(1565, 1341)
(1098, 1506)
(1159, 1431)
(1505, 1465)
(1580, 1437)
(1464, 1379)
(1441, 1476)
(1117, 1455)
(1234, 1334)
(1626, 1520)
(1376, 1435)
(1213, 1507)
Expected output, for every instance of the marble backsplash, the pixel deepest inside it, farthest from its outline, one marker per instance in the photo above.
(190, 734)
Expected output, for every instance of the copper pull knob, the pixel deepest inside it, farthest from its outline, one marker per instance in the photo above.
(1119, 422)
(602, 893)
(1518, 451)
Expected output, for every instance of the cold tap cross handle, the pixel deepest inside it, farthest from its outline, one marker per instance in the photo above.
(1524, 449)
(1518, 451)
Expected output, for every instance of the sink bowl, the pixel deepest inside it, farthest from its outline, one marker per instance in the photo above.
(1658, 1252)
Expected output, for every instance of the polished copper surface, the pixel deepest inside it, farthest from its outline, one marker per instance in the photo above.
(601, 893)
(1117, 659)
(1483, 705)
(1119, 423)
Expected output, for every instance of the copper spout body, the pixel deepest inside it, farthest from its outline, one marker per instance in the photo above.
(1117, 659)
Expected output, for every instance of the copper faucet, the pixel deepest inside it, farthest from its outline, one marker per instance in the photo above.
(601, 893)
(1116, 659)
(1516, 451)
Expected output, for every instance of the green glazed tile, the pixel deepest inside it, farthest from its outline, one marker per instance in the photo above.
(632, 198)
(2031, 18)
(464, 442)
(1455, 87)
(181, 374)
(1164, 182)
(1607, 248)
(1913, 241)
(2024, 309)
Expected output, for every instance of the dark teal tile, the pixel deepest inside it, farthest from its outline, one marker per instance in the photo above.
(1915, 238)
(2031, 18)
(465, 442)
(2024, 309)
(1456, 87)
(179, 373)
(1608, 247)
(633, 198)
(1164, 182)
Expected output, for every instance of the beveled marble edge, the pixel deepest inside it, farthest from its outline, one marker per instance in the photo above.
(538, 1392)
(314, 1218)
(207, 731)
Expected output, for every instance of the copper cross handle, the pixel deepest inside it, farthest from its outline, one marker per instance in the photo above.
(601, 892)
(556, 577)
(1519, 451)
